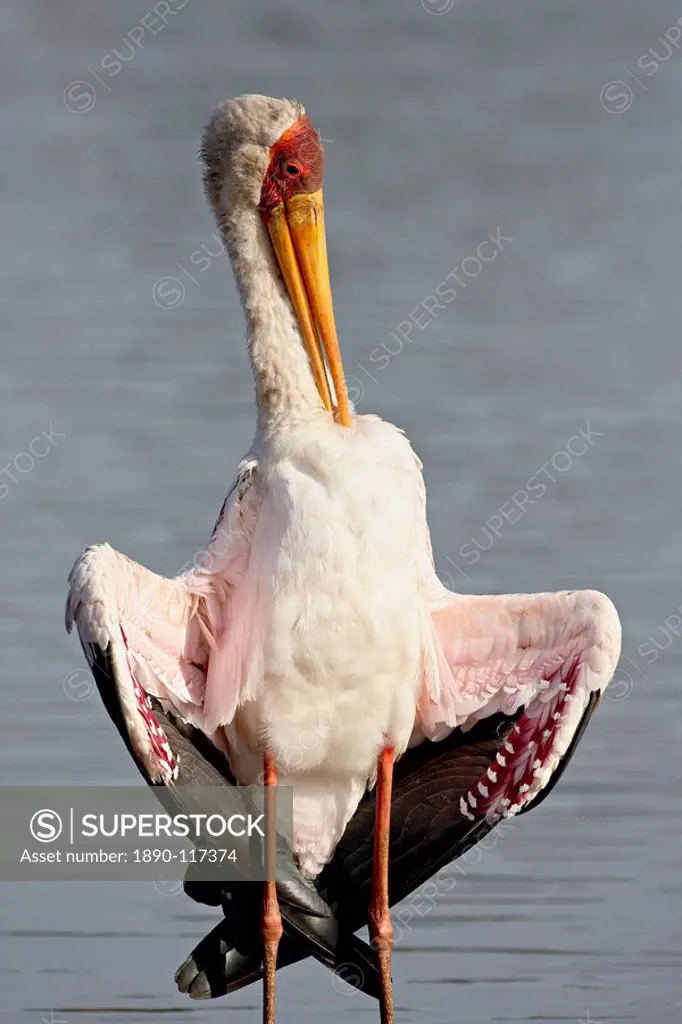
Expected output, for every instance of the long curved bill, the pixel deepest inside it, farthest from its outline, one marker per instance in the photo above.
(298, 237)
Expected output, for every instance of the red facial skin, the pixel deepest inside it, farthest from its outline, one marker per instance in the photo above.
(296, 165)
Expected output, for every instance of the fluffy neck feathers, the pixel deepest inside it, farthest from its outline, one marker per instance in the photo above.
(285, 387)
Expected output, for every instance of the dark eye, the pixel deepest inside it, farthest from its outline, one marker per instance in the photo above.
(292, 170)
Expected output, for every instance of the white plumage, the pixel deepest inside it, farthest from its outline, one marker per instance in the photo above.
(315, 626)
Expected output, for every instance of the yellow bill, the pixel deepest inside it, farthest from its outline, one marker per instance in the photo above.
(298, 237)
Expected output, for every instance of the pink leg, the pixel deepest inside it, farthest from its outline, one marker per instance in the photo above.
(380, 925)
(272, 920)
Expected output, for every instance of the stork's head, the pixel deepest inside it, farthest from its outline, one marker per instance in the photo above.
(264, 156)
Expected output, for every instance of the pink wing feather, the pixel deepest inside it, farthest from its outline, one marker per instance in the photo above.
(543, 653)
(177, 640)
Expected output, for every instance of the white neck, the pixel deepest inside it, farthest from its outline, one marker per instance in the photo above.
(285, 388)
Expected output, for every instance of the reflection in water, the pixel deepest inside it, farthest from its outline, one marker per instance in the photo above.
(123, 334)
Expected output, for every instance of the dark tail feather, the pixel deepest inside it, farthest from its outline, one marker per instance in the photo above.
(356, 964)
(215, 967)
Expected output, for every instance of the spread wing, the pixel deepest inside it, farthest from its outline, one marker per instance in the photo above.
(154, 637)
(539, 657)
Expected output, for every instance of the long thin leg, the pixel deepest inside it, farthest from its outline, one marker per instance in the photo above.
(272, 920)
(380, 925)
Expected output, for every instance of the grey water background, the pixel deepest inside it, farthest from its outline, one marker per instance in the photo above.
(449, 122)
